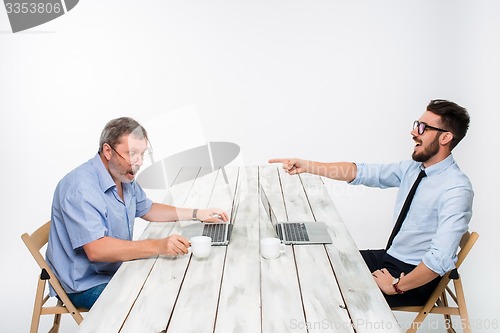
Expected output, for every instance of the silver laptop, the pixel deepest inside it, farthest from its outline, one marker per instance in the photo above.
(296, 232)
(220, 232)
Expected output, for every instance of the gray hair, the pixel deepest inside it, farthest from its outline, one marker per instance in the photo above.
(119, 127)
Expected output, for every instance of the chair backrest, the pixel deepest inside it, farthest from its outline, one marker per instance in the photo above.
(35, 242)
(466, 243)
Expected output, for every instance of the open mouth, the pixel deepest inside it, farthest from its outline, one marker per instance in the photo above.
(418, 143)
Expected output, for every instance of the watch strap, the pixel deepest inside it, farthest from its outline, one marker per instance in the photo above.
(396, 287)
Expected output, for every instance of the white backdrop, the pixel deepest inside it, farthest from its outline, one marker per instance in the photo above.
(323, 80)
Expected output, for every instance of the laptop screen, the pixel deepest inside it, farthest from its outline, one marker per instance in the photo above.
(236, 204)
(267, 206)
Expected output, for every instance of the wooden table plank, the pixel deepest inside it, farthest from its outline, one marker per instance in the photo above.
(154, 305)
(324, 307)
(151, 311)
(239, 303)
(367, 307)
(195, 309)
(281, 299)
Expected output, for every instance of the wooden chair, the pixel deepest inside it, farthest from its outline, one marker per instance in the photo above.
(34, 243)
(438, 301)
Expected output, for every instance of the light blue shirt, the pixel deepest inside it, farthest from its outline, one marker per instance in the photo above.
(439, 213)
(87, 207)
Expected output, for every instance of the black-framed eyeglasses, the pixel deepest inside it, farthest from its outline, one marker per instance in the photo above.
(421, 127)
(134, 157)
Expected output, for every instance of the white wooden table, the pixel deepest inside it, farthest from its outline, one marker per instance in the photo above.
(311, 288)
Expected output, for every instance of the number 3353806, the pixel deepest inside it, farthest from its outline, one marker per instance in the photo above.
(33, 8)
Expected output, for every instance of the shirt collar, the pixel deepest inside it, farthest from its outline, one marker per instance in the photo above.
(441, 166)
(105, 179)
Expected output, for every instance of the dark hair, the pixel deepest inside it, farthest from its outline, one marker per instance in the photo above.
(454, 118)
(119, 127)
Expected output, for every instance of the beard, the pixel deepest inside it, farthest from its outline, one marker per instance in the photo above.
(129, 174)
(118, 172)
(428, 152)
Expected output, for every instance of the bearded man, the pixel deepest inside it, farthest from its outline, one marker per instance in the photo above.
(433, 205)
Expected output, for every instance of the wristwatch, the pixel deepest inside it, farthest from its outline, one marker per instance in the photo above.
(395, 283)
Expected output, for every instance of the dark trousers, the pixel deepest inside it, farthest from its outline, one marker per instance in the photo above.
(378, 259)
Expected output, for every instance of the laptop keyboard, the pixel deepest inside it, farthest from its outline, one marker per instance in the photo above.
(216, 231)
(296, 232)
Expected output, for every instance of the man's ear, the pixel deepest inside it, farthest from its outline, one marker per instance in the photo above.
(106, 151)
(446, 138)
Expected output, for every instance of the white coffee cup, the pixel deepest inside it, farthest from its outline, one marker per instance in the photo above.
(271, 248)
(201, 246)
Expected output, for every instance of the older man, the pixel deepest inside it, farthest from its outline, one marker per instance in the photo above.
(93, 215)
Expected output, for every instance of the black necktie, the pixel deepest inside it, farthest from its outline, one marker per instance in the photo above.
(406, 207)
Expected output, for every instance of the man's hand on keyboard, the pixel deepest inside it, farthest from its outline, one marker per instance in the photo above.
(212, 215)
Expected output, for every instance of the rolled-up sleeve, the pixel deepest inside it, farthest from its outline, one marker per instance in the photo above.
(454, 215)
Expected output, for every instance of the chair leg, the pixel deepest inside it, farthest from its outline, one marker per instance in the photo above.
(37, 308)
(57, 324)
(447, 318)
(417, 322)
(464, 315)
(57, 320)
(448, 324)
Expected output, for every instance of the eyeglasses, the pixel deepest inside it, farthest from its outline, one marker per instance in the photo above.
(134, 157)
(421, 127)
